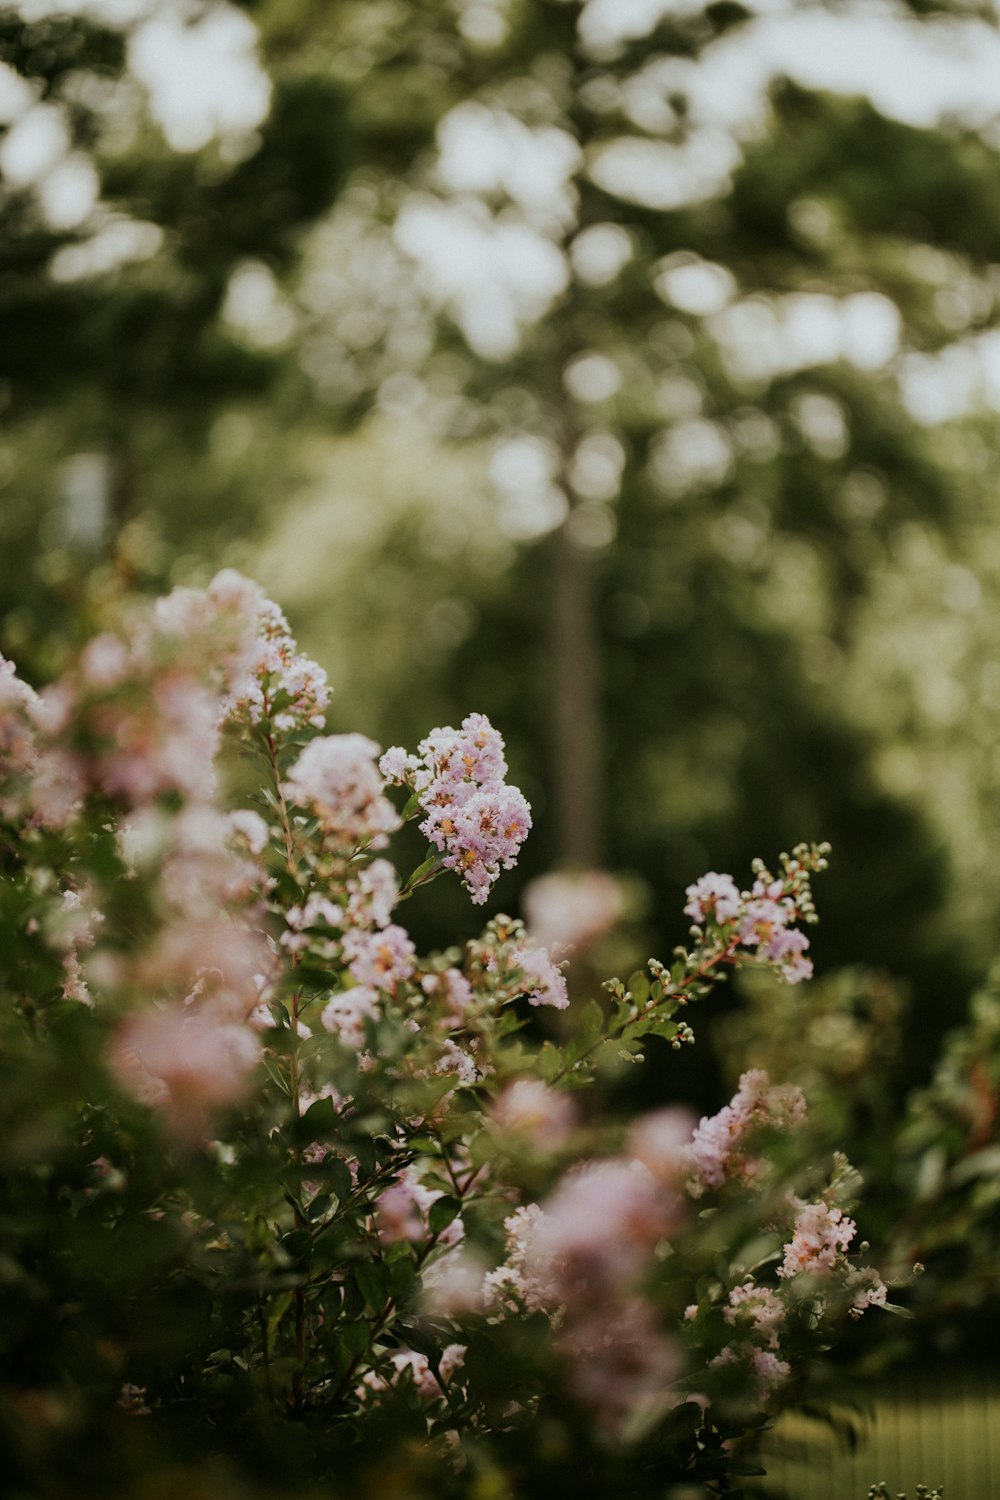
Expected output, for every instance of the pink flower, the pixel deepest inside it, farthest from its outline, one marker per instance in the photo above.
(598, 1229)
(542, 982)
(769, 1371)
(717, 1149)
(472, 816)
(620, 1364)
(259, 670)
(758, 1307)
(373, 895)
(764, 926)
(820, 1240)
(538, 1114)
(382, 959)
(336, 778)
(566, 911)
(401, 1212)
(251, 828)
(344, 1016)
(660, 1140)
(713, 896)
(186, 1065)
(867, 1289)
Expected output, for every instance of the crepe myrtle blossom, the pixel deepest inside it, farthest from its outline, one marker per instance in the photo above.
(619, 1361)
(819, 1242)
(866, 1289)
(18, 751)
(767, 1371)
(184, 1064)
(372, 895)
(543, 982)
(717, 1150)
(763, 924)
(566, 911)
(344, 1016)
(453, 993)
(713, 897)
(408, 1364)
(534, 1113)
(660, 1139)
(758, 1308)
(382, 959)
(261, 674)
(598, 1228)
(250, 828)
(401, 1212)
(761, 919)
(524, 1275)
(471, 815)
(336, 779)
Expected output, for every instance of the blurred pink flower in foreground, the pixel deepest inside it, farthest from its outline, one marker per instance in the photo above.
(186, 1065)
(565, 911)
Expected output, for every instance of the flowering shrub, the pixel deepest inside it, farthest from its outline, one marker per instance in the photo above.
(281, 1190)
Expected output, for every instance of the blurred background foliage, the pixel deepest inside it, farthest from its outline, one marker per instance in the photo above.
(627, 371)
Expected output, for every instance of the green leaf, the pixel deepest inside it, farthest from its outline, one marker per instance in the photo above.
(354, 1337)
(591, 1023)
(402, 1274)
(337, 1176)
(372, 1280)
(899, 1312)
(432, 865)
(443, 1211)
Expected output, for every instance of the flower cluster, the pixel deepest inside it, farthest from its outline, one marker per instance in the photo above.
(717, 1151)
(760, 920)
(336, 778)
(472, 816)
(398, 1128)
(587, 1252)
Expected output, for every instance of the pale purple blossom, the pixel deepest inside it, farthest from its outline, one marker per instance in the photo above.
(566, 910)
(336, 778)
(267, 677)
(769, 1371)
(620, 1363)
(382, 959)
(401, 1212)
(344, 1015)
(408, 1363)
(397, 765)
(866, 1288)
(599, 1227)
(717, 1148)
(536, 1113)
(454, 992)
(714, 896)
(759, 1308)
(543, 982)
(459, 1062)
(764, 926)
(251, 828)
(373, 894)
(524, 1276)
(471, 816)
(184, 1064)
(660, 1140)
(819, 1241)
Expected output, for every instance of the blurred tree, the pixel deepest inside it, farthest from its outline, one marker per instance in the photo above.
(699, 313)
